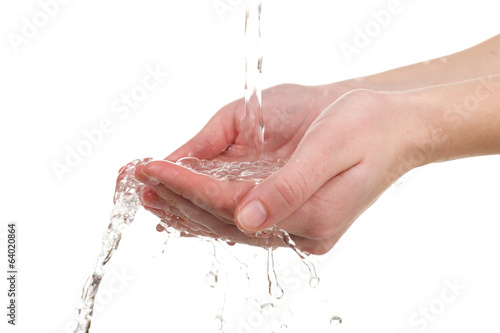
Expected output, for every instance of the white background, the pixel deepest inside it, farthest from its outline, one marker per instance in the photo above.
(441, 224)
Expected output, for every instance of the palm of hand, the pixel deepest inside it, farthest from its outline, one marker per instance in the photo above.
(207, 205)
(288, 110)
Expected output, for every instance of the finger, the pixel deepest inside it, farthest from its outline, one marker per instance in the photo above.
(204, 221)
(155, 211)
(203, 190)
(349, 195)
(215, 136)
(126, 169)
(184, 226)
(187, 209)
(192, 229)
(149, 198)
(192, 216)
(140, 176)
(197, 220)
(318, 158)
(179, 223)
(161, 228)
(152, 200)
(226, 232)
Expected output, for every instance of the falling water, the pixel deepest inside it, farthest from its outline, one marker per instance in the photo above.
(275, 290)
(335, 320)
(253, 123)
(128, 191)
(126, 204)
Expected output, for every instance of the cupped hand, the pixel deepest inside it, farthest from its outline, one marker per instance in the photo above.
(339, 161)
(288, 110)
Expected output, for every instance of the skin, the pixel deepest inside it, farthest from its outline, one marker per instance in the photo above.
(345, 143)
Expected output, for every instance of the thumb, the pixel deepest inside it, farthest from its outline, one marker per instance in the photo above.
(277, 197)
(281, 194)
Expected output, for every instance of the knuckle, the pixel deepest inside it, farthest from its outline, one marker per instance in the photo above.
(318, 220)
(367, 95)
(209, 195)
(319, 230)
(291, 192)
(317, 248)
(321, 227)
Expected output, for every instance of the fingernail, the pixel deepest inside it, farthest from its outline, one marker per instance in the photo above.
(147, 169)
(153, 180)
(146, 197)
(252, 216)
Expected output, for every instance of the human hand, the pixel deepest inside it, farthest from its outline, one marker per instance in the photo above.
(288, 111)
(347, 157)
(414, 121)
(334, 174)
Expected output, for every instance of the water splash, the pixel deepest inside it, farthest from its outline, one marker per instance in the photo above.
(236, 170)
(243, 267)
(314, 278)
(126, 199)
(275, 289)
(275, 232)
(212, 278)
(126, 204)
(129, 190)
(267, 308)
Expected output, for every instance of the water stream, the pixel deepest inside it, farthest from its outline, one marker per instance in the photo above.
(129, 190)
(253, 123)
(126, 204)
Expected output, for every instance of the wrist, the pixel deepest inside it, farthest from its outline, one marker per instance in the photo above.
(409, 143)
(452, 121)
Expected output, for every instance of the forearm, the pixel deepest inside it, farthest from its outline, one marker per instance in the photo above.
(478, 61)
(453, 121)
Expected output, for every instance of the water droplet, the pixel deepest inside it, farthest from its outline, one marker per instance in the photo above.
(335, 320)
(276, 291)
(283, 326)
(285, 237)
(267, 308)
(244, 267)
(212, 279)
(219, 321)
(314, 281)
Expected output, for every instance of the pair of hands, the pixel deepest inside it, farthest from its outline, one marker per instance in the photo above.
(343, 146)
(340, 149)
